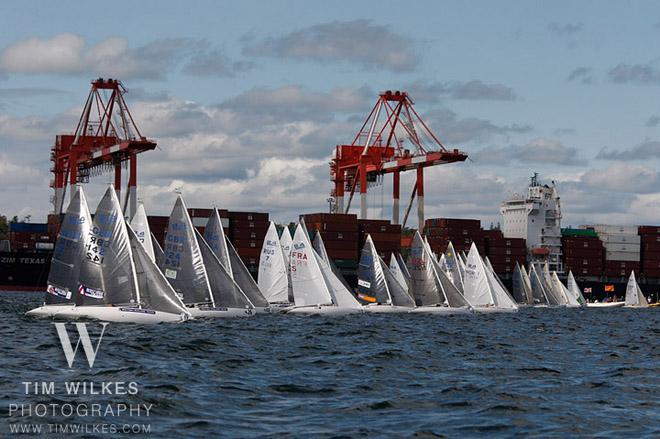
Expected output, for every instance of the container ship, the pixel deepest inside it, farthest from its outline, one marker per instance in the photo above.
(393, 139)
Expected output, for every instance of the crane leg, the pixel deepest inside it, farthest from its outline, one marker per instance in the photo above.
(420, 198)
(396, 183)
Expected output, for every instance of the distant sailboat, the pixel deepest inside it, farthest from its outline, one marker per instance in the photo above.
(196, 273)
(521, 291)
(316, 290)
(455, 267)
(140, 225)
(553, 295)
(229, 258)
(378, 286)
(482, 290)
(118, 281)
(400, 271)
(428, 287)
(68, 253)
(538, 290)
(273, 279)
(634, 295)
(574, 290)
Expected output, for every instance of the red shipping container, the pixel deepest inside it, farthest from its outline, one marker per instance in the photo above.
(507, 242)
(614, 265)
(651, 272)
(589, 253)
(492, 234)
(584, 271)
(337, 227)
(454, 222)
(339, 236)
(504, 251)
(247, 243)
(650, 245)
(252, 234)
(248, 252)
(329, 217)
(247, 216)
(650, 265)
(380, 228)
(341, 245)
(581, 242)
(343, 254)
(648, 230)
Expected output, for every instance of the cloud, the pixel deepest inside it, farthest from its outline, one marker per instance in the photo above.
(567, 29)
(451, 129)
(359, 41)
(215, 63)
(653, 121)
(581, 74)
(70, 54)
(643, 151)
(30, 92)
(623, 177)
(640, 74)
(433, 91)
(539, 151)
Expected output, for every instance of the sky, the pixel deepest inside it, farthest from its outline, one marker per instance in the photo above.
(247, 100)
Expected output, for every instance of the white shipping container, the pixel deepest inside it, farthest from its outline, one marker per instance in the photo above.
(620, 238)
(621, 256)
(199, 222)
(610, 229)
(44, 245)
(618, 247)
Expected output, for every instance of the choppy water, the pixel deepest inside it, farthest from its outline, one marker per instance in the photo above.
(543, 372)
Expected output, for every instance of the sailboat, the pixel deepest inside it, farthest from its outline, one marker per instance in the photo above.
(229, 258)
(571, 300)
(195, 272)
(554, 295)
(521, 290)
(118, 281)
(430, 284)
(400, 271)
(320, 249)
(65, 265)
(538, 290)
(140, 225)
(455, 267)
(574, 290)
(378, 286)
(482, 290)
(273, 277)
(316, 289)
(634, 296)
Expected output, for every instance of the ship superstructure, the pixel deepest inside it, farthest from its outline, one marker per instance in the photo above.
(536, 218)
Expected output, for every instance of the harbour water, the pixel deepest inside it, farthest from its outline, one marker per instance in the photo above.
(543, 372)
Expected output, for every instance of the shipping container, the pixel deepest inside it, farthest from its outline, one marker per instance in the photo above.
(621, 256)
(253, 234)
(29, 227)
(620, 239)
(624, 247)
(247, 216)
(506, 251)
(507, 242)
(648, 230)
(582, 242)
(613, 229)
(593, 253)
(454, 222)
(583, 262)
(568, 232)
(633, 265)
(584, 271)
(653, 273)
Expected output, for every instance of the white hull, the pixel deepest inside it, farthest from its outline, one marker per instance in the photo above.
(261, 310)
(606, 304)
(212, 313)
(493, 310)
(324, 310)
(636, 306)
(48, 311)
(383, 309)
(280, 308)
(118, 314)
(445, 310)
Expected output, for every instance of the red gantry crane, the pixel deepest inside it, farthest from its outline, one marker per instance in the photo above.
(378, 149)
(105, 138)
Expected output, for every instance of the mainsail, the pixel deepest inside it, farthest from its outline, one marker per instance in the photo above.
(502, 296)
(574, 290)
(183, 265)
(69, 251)
(477, 288)
(159, 255)
(554, 297)
(244, 279)
(225, 291)
(140, 226)
(107, 273)
(372, 286)
(453, 296)
(319, 247)
(400, 272)
(273, 278)
(634, 295)
(424, 287)
(527, 283)
(155, 291)
(309, 287)
(285, 242)
(340, 293)
(214, 235)
(520, 292)
(538, 290)
(561, 290)
(454, 266)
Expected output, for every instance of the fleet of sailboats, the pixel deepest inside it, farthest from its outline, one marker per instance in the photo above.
(107, 268)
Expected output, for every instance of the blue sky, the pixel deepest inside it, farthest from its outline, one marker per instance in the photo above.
(248, 99)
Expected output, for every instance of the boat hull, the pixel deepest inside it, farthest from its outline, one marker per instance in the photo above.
(280, 308)
(324, 310)
(48, 311)
(386, 309)
(494, 310)
(212, 313)
(606, 305)
(445, 310)
(119, 314)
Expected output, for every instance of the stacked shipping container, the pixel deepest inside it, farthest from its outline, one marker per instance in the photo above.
(650, 251)
(30, 236)
(622, 249)
(461, 232)
(247, 231)
(503, 253)
(340, 233)
(583, 252)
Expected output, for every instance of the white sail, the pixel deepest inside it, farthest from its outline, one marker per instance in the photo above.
(140, 226)
(455, 267)
(574, 290)
(634, 295)
(309, 286)
(553, 295)
(425, 289)
(477, 290)
(442, 261)
(398, 273)
(214, 235)
(501, 297)
(453, 296)
(285, 242)
(538, 290)
(527, 285)
(273, 279)
(341, 295)
(561, 290)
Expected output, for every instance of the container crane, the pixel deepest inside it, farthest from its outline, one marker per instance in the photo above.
(378, 149)
(105, 138)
